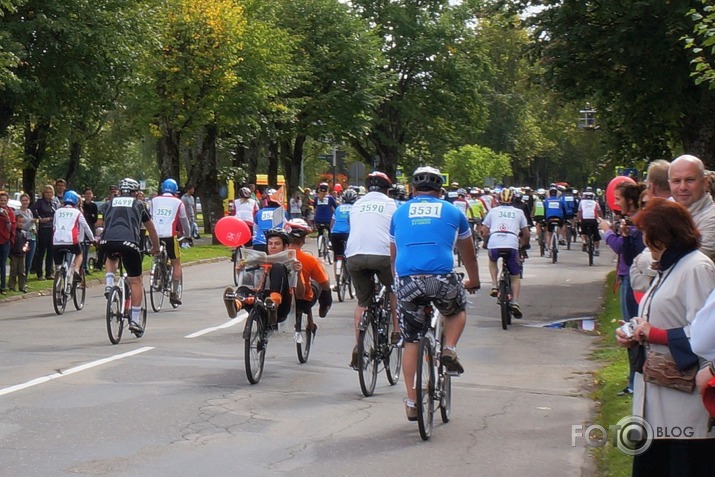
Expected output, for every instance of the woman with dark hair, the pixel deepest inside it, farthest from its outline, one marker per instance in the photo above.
(626, 241)
(44, 209)
(685, 278)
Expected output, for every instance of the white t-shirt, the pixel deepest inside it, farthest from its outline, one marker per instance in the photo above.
(505, 223)
(370, 220)
(166, 210)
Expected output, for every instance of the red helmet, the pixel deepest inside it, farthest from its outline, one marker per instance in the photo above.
(378, 181)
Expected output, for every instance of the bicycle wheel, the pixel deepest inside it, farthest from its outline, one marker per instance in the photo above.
(542, 245)
(156, 286)
(255, 346)
(367, 357)
(143, 312)
(320, 245)
(393, 364)
(327, 253)
(179, 290)
(304, 340)
(445, 394)
(59, 298)
(340, 280)
(236, 256)
(554, 248)
(504, 304)
(424, 385)
(568, 238)
(349, 286)
(589, 247)
(115, 315)
(79, 291)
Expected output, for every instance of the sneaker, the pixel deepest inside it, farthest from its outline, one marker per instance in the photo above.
(451, 361)
(313, 329)
(515, 310)
(596, 253)
(411, 412)
(494, 292)
(136, 328)
(230, 303)
(49, 277)
(562, 241)
(77, 277)
(547, 253)
(24, 290)
(323, 311)
(395, 337)
(106, 291)
(174, 299)
(625, 392)
(354, 359)
(583, 248)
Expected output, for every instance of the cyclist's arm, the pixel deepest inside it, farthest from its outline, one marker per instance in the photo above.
(185, 225)
(469, 258)
(525, 236)
(88, 235)
(153, 236)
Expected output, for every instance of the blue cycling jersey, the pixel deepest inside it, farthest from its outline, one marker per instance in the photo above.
(324, 209)
(570, 202)
(554, 207)
(341, 219)
(266, 219)
(424, 231)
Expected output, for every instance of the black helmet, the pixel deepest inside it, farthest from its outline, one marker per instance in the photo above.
(277, 232)
(427, 178)
(378, 181)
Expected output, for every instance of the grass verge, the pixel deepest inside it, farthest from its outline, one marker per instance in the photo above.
(609, 380)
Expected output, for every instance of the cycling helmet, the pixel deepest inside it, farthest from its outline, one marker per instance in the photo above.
(589, 189)
(427, 178)
(506, 196)
(461, 192)
(454, 185)
(338, 188)
(323, 187)
(169, 185)
(127, 186)
(71, 197)
(269, 192)
(349, 196)
(277, 232)
(244, 192)
(297, 228)
(401, 192)
(377, 181)
(517, 194)
(588, 195)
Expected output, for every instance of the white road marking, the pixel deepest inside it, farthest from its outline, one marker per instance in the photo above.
(241, 316)
(70, 371)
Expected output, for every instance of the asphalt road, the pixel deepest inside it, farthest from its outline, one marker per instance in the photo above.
(177, 401)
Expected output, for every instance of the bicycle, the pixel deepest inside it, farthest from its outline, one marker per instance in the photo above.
(324, 248)
(119, 308)
(568, 234)
(433, 382)
(553, 228)
(504, 292)
(65, 286)
(251, 294)
(374, 343)
(343, 281)
(541, 239)
(161, 281)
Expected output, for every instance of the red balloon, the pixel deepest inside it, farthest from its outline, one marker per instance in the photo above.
(611, 191)
(232, 231)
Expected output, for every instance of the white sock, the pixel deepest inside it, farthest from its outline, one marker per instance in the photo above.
(136, 312)
(109, 279)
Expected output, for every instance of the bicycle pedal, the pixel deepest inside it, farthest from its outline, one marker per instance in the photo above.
(452, 373)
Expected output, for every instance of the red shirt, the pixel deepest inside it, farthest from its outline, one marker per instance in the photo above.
(7, 225)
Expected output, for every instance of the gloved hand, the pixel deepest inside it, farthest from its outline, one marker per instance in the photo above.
(325, 300)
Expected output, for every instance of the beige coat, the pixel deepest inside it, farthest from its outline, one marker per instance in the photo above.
(703, 212)
(674, 304)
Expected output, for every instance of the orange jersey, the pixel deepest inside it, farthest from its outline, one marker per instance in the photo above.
(312, 269)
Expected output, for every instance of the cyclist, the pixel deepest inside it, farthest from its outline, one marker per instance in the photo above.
(245, 208)
(453, 192)
(279, 301)
(167, 210)
(316, 279)
(368, 248)
(538, 213)
(69, 230)
(272, 216)
(554, 209)
(122, 218)
(507, 230)
(422, 236)
(340, 225)
(461, 201)
(588, 214)
(571, 203)
(325, 205)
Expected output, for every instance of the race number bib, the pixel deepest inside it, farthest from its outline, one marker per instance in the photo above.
(425, 210)
(63, 214)
(122, 202)
(371, 207)
(507, 214)
(162, 212)
(554, 205)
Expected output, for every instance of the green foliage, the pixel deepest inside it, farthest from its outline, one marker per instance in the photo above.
(472, 164)
(702, 43)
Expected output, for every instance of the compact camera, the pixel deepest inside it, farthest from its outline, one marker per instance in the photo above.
(627, 328)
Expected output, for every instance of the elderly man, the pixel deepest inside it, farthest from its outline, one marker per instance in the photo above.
(689, 187)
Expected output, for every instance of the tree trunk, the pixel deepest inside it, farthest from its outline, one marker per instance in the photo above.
(73, 166)
(273, 164)
(35, 146)
(167, 153)
(204, 174)
(698, 134)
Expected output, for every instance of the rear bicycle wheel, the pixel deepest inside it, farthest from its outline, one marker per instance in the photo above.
(59, 298)
(589, 247)
(236, 256)
(304, 340)
(424, 385)
(393, 364)
(254, 346)
(367, 358)
(445, 394)
(179, 290)
(554, 248)
(568, 238)
(327, 253)
(115, 315)
(504, 304)
(79, 291)
(340, 280)
(542, 245)
(156, 286)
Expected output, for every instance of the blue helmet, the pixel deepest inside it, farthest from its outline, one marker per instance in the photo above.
(71, 197)
(169, 185)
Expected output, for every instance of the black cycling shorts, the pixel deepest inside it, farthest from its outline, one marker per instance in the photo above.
(130, 254)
